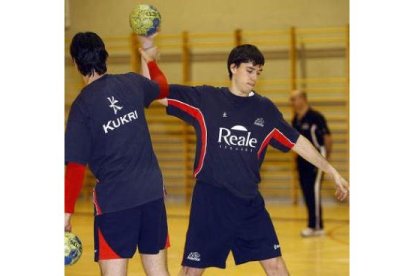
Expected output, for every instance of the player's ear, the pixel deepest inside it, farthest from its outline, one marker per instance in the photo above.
(76, 65)
(233, 68)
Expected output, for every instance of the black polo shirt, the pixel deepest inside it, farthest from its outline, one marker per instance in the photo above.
(313, 126)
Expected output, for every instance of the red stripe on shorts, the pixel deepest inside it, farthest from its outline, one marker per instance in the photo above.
(167, 242)
(105, 250)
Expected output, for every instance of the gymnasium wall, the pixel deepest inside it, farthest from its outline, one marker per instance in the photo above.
(323, 63)
(110, 17)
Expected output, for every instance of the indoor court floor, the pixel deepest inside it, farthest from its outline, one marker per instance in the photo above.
(328, 255)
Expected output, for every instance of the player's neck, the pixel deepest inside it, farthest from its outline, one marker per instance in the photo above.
(92, 78)
(235, 91)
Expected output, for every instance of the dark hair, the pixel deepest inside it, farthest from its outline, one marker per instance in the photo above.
(88, 51)
(243, 54)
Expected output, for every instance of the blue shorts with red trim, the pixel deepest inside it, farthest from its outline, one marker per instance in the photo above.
(118, 234)
(221, 222)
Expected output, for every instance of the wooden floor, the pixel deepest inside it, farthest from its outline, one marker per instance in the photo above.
(327, 255)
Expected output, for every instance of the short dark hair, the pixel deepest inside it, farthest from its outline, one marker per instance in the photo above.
(88, 51)
(243, 54)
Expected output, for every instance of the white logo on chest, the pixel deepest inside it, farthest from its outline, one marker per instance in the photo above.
(237, 136)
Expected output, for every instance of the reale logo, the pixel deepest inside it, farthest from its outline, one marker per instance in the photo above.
(237, 136)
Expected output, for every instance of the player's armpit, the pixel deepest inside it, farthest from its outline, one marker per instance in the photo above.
(73, 184)
(164, 101)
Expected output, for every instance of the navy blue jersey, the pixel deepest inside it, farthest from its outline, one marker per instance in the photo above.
(232, 134)
(107, 130)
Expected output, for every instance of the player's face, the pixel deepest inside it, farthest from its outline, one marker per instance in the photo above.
(245, 76)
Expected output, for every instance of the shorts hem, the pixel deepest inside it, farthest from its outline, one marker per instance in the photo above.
(203, 265)
(257, 259)
(150, 252)
(96, 260)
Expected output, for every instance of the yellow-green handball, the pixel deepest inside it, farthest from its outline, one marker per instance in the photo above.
(145, 20)
(73, 248)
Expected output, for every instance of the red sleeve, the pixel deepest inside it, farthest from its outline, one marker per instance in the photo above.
(158, 76)
(73, 185)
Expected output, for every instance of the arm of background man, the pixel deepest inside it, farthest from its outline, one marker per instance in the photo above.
(328, 145)
(323, 129)
(305, 149)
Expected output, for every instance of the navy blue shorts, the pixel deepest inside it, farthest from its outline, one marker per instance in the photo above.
(221, 222)
(118, 234)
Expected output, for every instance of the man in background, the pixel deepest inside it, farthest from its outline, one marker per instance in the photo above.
(311, 124)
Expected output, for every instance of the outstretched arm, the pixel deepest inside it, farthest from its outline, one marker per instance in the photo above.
(306, 150)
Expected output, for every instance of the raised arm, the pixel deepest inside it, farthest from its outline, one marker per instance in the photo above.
(149, 67)
(144, 66)
(305, 149)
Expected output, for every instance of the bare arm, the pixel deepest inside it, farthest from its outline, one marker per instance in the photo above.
(328, 145)
(144, 67)
(147, 56)
(149, 53)
(307, 151)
